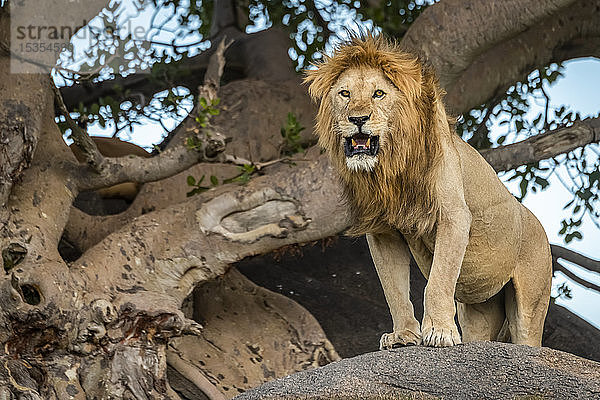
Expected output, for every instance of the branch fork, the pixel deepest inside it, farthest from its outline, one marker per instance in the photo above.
(104, 172)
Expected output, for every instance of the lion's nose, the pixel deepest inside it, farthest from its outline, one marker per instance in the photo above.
(359, 121)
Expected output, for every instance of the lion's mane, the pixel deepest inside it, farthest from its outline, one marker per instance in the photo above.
(399, 192)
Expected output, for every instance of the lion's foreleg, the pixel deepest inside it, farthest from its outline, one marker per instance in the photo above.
(391, 257)
(438, 326)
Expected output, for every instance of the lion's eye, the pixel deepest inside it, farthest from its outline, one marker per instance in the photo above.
(344, 93)
(378, 94)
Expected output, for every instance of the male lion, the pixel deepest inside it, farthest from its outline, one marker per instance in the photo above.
(413, 185)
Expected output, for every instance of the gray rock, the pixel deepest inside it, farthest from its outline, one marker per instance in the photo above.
(483, 370)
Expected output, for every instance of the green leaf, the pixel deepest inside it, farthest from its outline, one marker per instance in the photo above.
(573, 235)
(203, 103)
(191, 181)
(563, 230)
(594, 177)
(542, 182)
(213, 180)
(523, 186)
(519, 125)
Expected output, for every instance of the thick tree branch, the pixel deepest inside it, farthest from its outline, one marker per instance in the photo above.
(572, 33)
(82, 140)
(569, 255)
(561, 268)
(452, 33)
(226, 15)
(559, 252)
(544, 146)
(142, 170)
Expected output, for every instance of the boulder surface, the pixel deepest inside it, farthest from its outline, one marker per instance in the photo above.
(481, 370)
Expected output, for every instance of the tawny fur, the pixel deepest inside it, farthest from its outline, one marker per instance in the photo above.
(429, 194)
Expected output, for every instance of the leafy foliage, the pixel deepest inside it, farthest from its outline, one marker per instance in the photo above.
(291, 134)
(523, 111)
(246, 172)
(206, 110)
(197, 185)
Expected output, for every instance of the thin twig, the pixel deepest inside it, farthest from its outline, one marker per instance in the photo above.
(81, 138)
(228, 158)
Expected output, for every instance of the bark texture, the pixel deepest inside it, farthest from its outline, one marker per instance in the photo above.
(571, 33)
(543, 146)
(279, 336)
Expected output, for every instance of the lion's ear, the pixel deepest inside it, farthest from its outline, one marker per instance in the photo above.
(319, 80)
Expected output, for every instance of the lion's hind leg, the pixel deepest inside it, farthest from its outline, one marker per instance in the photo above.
(481, 321)
(528, 293)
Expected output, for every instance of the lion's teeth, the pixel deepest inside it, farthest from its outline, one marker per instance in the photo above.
(368, 142)
(354, 144)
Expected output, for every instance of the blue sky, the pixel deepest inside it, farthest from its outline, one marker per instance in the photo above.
(580, 90)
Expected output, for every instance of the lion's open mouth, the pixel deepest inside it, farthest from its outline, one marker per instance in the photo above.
(361, 144)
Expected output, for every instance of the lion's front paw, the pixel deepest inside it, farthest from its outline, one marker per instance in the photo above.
(405, 337)
(439, 334)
